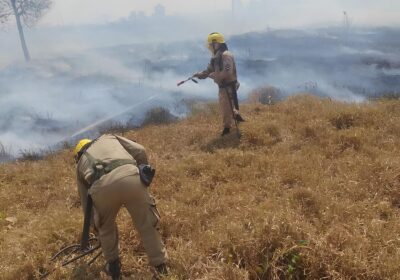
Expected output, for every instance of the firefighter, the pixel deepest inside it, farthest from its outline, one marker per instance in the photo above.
(113, 171)
(222, 69)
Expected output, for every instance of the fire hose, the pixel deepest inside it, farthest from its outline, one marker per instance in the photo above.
(86, 248)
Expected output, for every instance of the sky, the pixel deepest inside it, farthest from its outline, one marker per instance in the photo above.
(83, 11)
(280, 13)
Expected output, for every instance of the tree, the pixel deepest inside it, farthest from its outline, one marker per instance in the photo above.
(26, 12)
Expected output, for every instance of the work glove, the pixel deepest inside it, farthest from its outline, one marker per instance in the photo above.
(146, 173)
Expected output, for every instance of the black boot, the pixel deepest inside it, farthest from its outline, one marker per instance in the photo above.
(161, 270)
(113, 269)
(225, 131)
(239, 118)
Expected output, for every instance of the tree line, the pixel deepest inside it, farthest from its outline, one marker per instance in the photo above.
(26, 13)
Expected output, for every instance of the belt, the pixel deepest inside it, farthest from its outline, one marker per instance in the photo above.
(229, 84)
(101, 168)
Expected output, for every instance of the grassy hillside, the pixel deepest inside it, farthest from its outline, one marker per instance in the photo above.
(311, 191)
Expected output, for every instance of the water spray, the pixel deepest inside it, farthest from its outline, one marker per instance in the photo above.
(97, 123)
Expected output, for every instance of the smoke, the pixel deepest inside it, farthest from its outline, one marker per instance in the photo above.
(364, 63)
(64, 94)
(49, 101)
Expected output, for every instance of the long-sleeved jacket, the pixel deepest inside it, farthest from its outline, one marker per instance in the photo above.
(222, 69)
(106, 149)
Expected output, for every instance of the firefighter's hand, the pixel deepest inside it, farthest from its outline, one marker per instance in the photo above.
(199, 75)
(212, 75)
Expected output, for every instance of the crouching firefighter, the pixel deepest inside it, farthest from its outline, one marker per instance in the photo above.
(222, 69)
(113, 171)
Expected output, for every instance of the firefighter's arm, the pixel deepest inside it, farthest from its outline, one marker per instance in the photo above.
(136, 150)
(203, 74)
(83, 188)
(82, 191)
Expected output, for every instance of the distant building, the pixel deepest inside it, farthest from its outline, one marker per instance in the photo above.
(159, 11)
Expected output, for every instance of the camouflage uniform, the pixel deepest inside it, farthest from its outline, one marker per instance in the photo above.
(120, 187)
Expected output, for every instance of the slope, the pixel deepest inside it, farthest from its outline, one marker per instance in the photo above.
(310, 191)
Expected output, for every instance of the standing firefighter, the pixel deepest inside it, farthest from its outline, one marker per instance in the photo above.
(113, 171)
(222, 69)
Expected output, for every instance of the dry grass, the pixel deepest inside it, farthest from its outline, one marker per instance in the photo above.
(265, 95)
(311, 191)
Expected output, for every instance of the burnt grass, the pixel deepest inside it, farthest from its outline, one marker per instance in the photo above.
(310, 191)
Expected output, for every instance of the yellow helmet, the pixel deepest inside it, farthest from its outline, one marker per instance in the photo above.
(80, 145)
(215, 37)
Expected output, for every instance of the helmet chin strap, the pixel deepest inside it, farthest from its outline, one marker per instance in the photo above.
(215, 49)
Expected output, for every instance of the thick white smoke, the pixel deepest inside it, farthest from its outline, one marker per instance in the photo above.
(61, 94)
